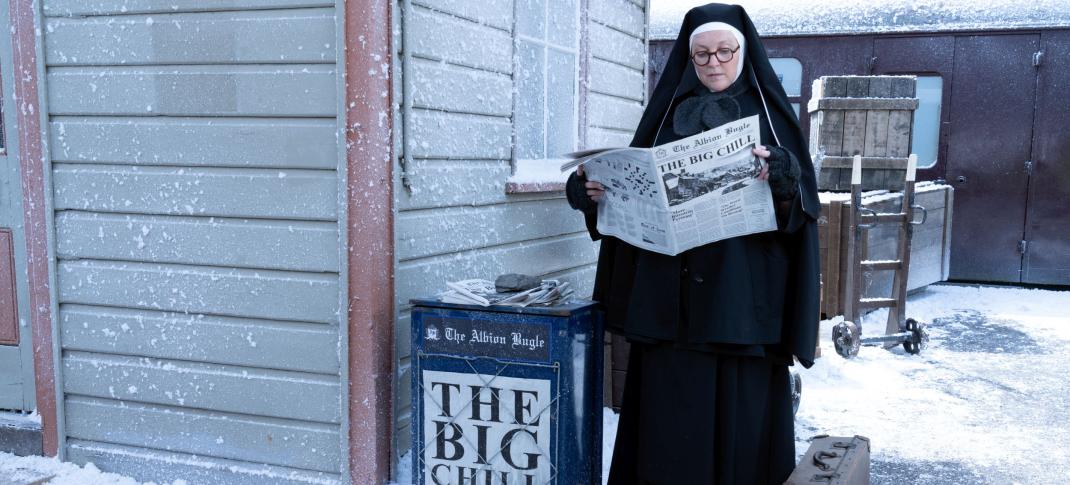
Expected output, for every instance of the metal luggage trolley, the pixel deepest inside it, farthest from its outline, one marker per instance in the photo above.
(506, 395)
(846, 336)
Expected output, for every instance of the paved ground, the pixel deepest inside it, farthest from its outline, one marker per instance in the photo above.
(987, 402)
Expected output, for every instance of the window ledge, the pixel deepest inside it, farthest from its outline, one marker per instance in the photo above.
(534, 176)
(533, 187)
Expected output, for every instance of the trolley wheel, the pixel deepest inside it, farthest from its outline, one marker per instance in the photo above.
(847, 339)
(919, 337)
(796, 392)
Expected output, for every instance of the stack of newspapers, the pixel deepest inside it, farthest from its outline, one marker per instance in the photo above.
(482, 292)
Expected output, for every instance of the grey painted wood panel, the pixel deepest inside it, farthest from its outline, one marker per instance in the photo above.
(424, 277)
(266, 36)
(597, 137)
(613, 112)
(262, 90)
(617, 80)
(145, 464)
(498, 13)
(450, 135)
(104, 7)
(446, 87)
(243, 243)
(616, 46)
(421, 232)
(248, 142)
(310, 446)
(246, 390)
(226, 192)
(279, 295)
(308, 347)
(447, 38)
(443, 183)
(622, 15)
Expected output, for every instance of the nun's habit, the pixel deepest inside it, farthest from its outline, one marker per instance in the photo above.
(714, 329)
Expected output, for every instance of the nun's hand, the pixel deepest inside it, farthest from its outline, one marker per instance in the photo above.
(595, 190)
(762, 153)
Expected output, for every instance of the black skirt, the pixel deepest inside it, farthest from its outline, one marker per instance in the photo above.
(694, 417)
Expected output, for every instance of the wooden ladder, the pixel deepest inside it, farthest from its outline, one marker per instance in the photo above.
(862, 219)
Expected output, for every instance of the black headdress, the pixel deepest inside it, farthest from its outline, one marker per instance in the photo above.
(679, 79)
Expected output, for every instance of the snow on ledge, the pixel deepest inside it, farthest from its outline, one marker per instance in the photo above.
(537, 176)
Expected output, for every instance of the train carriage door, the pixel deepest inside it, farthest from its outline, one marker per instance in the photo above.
(990, 85)
(1047, 232)
(16, 356)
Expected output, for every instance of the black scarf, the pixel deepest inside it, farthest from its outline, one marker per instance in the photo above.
(709, 109)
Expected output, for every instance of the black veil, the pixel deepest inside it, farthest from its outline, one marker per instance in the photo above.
(679, 79)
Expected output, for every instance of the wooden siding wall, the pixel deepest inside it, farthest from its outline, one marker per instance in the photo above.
(195, 173)
(456, 221)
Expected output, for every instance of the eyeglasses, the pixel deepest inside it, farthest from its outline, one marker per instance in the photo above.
(724, 54)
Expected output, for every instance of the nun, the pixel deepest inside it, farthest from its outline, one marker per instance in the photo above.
(713, 330)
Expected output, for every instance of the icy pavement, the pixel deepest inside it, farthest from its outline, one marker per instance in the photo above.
(986, 402)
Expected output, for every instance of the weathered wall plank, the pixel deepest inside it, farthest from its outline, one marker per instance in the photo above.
(245, 390)
(268, 36)
(263, 90)
(310, 446)
(246, 342)
(617, 80)
(284, 295)
(287, 245)
(481, 227)
(449, 135)
(445, 87)
(614, 113)
(454, 40)
(227, 142)
(163, 467)
(225, 192)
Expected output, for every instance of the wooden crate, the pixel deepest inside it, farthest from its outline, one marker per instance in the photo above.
(929, 252)
(872, 116)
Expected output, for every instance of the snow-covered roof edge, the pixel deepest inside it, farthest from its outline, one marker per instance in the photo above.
(829, 17)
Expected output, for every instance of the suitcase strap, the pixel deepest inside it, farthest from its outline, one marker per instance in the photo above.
(821, 464)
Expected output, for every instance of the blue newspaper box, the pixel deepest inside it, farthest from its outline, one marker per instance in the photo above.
(505, 395)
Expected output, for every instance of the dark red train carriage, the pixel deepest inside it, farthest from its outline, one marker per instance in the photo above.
(994, 88)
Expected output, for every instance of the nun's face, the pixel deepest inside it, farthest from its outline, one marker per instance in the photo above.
(716, 75)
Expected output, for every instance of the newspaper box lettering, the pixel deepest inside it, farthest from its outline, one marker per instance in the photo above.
(485, 429)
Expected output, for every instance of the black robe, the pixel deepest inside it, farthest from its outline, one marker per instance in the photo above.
(713, 329)
(755, 290)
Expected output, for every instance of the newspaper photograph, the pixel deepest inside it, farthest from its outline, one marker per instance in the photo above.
(683, 194)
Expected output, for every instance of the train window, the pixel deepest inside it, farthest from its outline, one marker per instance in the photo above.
(789, 71)
(926, 137)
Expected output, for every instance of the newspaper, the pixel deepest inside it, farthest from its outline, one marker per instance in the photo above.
(482, 292)
(683, 194)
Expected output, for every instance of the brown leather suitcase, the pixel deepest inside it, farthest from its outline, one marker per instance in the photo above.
(833, 460)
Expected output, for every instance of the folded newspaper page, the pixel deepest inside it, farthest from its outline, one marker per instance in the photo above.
(683, 194)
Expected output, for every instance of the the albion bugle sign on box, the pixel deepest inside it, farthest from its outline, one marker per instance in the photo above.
(505, 395)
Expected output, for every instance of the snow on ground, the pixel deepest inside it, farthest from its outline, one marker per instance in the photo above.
(986, 402)
(28, 469)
